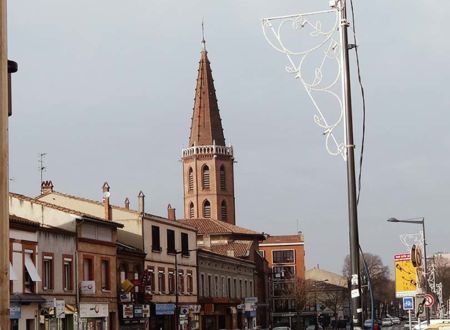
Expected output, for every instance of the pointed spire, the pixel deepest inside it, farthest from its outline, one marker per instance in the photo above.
(206, 123)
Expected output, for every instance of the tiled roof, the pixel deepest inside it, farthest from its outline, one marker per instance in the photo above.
(63, 209)
(210, 226)
(206, 128)
(87, 200)
(239, 248)
(19, 220)
(280, 239)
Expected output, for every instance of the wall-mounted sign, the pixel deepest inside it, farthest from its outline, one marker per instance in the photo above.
(15, 311)
(87, 287)
(146, 311)
(127, 311)
(93, 310)
(60, 309)
(164, 309)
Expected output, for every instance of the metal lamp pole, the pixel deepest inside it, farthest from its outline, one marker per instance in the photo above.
(419, 222)
(351, 182)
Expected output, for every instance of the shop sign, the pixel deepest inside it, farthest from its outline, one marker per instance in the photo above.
(195, 308)
(125, 297)
(184, 310)
(146, 311)
(127, 312)
(251, 300)
(138, 311)
(93, 310)
(209, 308)
(87, 287)
(250, 314)
(60, 309)
(15, 311)
(164, 309)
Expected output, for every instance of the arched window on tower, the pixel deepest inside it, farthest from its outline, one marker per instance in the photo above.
(222, 178)
(191, 210)
(191, 179)
(205, 177)
(206, 209)
(223, 211)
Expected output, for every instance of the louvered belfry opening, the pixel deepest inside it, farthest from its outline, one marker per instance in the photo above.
(191, 179)
(205, 177)
(191, 210)
(222, 178)
(224, 211)
(207, 209)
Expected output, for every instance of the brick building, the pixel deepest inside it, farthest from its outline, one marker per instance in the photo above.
(285, 255)
(209, 206)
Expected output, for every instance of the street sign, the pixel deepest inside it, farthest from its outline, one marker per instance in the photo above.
(405, 276)
(408, 303)
(429, 300)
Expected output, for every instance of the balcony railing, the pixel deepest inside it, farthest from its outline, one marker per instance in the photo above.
(208, 150)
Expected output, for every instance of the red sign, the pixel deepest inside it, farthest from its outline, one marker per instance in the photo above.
(429, 300)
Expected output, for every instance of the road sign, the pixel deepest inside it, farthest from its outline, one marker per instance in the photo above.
(408, 303)
(429, 300)
(405, 276)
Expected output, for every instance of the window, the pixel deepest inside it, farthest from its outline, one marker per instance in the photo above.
(151, 278)
(222, 178)
(191, 179)
(191, 210)
(205, 177)
(161, 280)
(245, 289)
(30, 274)
(240, 289)
(262, 253)
(184, 244)
(170, 241)
(223, 211)
(171, 280)
(67, 273)
(283, 272)
(189, 282)
(96, 232)
(235, 288)
(209, 286)
(206, 209)
(224, 290)
(105, 269)
(88, 274)
(47, 271)
(181, 281)
(283, 256)
(216, 286)
(202, 285)
(251, 289)
(229, 287)
(156, 245)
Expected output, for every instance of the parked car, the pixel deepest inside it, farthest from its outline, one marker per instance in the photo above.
(386, 322)
(368, 324)
(281, 328)
(395, 320)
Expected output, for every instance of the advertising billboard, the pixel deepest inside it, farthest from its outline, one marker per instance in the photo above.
(405, 276)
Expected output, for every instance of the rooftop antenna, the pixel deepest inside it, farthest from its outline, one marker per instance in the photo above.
(42, 168)
(203, 35)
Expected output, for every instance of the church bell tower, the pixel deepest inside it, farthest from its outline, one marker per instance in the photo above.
(208, 175)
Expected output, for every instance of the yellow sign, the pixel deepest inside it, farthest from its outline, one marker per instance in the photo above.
(405, 276)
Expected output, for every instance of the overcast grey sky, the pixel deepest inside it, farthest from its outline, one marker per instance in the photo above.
(106, 89)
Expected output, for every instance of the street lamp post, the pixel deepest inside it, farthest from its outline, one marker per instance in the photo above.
(419, 221)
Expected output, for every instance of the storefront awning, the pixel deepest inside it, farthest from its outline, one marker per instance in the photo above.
(12, 273)
(27, 298)
(29, 265)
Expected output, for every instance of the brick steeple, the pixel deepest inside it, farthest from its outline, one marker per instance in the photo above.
(206, 126)
(208, 173)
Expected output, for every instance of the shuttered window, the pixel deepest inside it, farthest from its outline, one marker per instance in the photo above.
(222, 178)
(206, 209)
(191, 210)
(205, 177)
(191, 179)
(223, 211)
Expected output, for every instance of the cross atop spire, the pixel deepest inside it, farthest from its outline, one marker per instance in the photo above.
(203, 35)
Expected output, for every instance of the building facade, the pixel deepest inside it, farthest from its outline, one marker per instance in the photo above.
(285, 255)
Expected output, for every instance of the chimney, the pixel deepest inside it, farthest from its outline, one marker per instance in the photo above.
(46, 187)
(127, 203)
(171, 213)
(106, 204)
(141, 206)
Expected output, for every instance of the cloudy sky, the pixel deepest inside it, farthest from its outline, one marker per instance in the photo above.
(105, 89)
